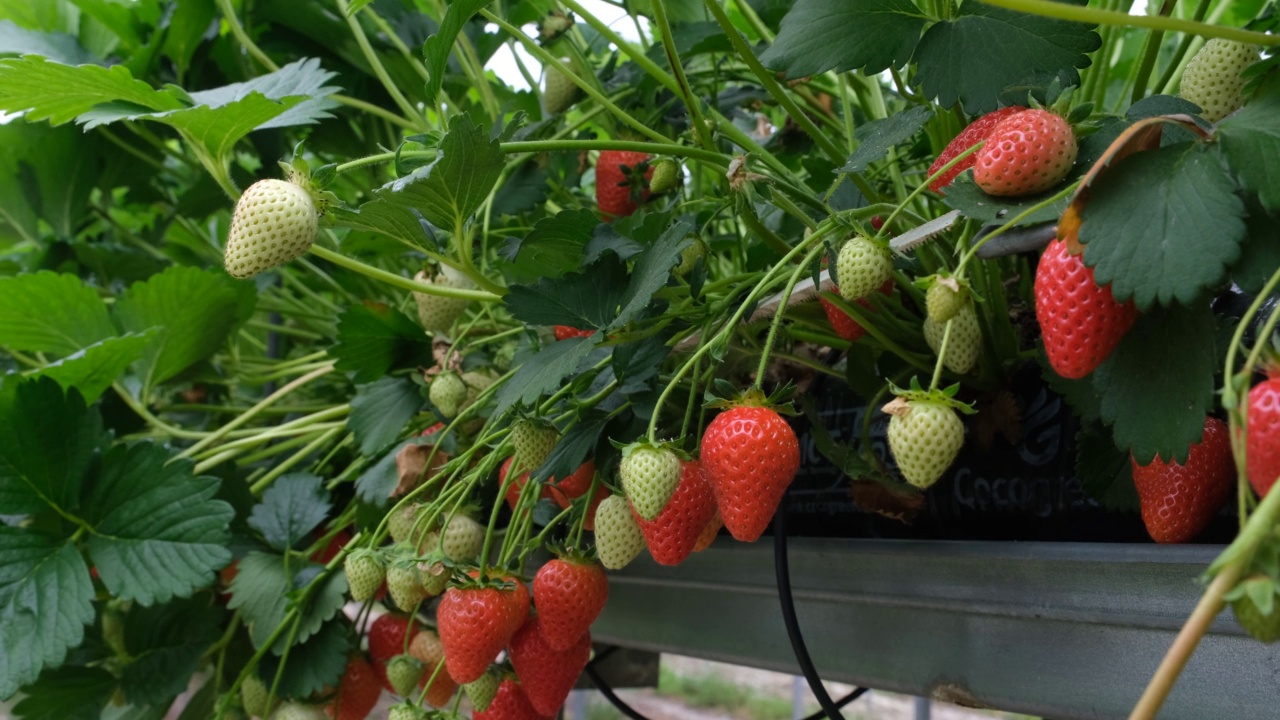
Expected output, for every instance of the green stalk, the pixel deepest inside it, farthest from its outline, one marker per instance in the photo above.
(401, 282)
(677, 68)
(782, 311)
(1080, 14)
(375, 63)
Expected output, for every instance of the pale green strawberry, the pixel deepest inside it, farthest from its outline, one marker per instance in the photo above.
(448, 392)
(365, 573)
(1254, 604)
(436, 312)
(862, 267)
(402, 522)
(533, 442)
(689, 256)
(462, 539)
(965, 344)
(254, 695)
(618, 536)
(943, 299)
(666, 176)
(1213, 79)
(300, 711)
(274, 222)
(482, 691)
(924, 436)
(559, 93)
(404, 582)
(405, 711)
(403, 673)
(434, 577)
(649, 477)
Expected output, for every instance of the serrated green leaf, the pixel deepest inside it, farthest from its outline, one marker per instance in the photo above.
(188, 331)
(554, 247)
(56, 46)
(1158, 384)
(58, 93)
(572, 449)
(435, 51)
(1163, 225)
(66, 693)
(375, 484)
(876, 137)
(313, 665)
(985, 49)
(47, 442)
(215, 129)
(1250, 140)
(380, 410)
(262, 591)
(543, 372)
(583, 300)
(373, 338)
(969, 199)
(652, 269)
(291, 508)
(300, 85)
(1260, 253)
(92, 370)
(165, 644)
(1105, 472)
(1156, 105)
(45, 602)
(158, 532)
(635, 364)
(819, 35)
(52, 313)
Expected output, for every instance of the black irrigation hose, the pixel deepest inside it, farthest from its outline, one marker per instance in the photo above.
(611, 696)
(853, 695)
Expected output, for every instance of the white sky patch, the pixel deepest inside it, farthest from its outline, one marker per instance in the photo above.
(503, 64)
(1139, 7)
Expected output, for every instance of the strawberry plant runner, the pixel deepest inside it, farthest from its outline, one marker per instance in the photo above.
(330, 328)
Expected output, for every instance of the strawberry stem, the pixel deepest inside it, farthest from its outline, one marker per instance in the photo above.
(1076, 13)
(782, 311)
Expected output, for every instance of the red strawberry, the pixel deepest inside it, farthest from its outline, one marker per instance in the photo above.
(564, 332)
(1179, 500)
(1081, 323)
(1263, 435)
(844, 324)
(619, 186)
(509, 704)
(475, 623)
(976, 132)
(1026, 153)
(750, 456)
(877, 222)
(569, 593)
(672, 535)
(517, 485)
(547, 675)
(357, 692)
(574, 486)
(387, 640)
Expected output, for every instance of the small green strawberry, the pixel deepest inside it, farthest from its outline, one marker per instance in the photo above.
(666, 176)
(448, 392)
(650, 475)
(402, 522)
(462, 539)
(300, 711)
(690, 256)
(559, 92)
(404, 672)
(533, 442)
(403, 580)
(1213, 78)
(254, 695)
(274, 222)
(965, 344)
(618, 536)
(405, 711)
(365, 573)
(434, 577)
(482, 691)
(436, 312)
(1254, 603)
(862, 267)
(925, 435)
(944, 299)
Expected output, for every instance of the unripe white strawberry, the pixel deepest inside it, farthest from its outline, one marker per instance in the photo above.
(434, 577)
(618, 536)
(1212, 79)
(482, 691)
(943, 299)
(401, 523)
(924, 437)
(300, 711)
(649, 477)
(462, 539)
(448, 392)
(965, 344)
(403, 673)
(533, 442)
(274, 222)
(365, 573)
(436, 312)
(403, 581)
(559, 93)
(862, 267)
(254, 696)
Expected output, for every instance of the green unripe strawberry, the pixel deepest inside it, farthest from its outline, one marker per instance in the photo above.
(448, 393)
(649, 477)
(924, 437)
(404, 582)
(254, 695)
(274, 222)
(403, 674)
(666, 176)
(1213, 78)
(559, 92)
(365, 573)
(533, 442)
(862, 267)
(405, 711)
(965, 344)
(943, 299)
(482, 690)
(401, 523)
(434, 577)
(690, 256)
(462, 539)
(1261, 622)
(300, 711)
(618, 536)
(436, 312)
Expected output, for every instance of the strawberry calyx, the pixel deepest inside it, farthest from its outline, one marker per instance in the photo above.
(298, 172)
(903, 397)
(727, 396)
(629, 449)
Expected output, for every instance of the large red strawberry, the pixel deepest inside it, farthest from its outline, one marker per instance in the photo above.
(620, 186)
(1026, 153)
(976, 132)
(574, 486)
(843, 323)
(357, 692)
(475, 623)
(750, 456)
(387, 640)
(546, 674)
(510, 704)
(569, 593)
(1081, 323)
(1263, 435)
(1179, 499)
(672, 535)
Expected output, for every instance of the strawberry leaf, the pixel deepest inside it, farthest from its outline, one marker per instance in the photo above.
(652, 269)
(45, 602)
(156, 530)
(380, 410)
(552, 248)
(1260, 254)
(48, 439)
(1104, 471)
(299, 79)
(1155, 399)
(66, 693)
(56, 46)
(290, 509)
(582, 300)
(972, 202)
(985, 49)
(51, 313)
(58, 93)
(1250, 139)
(876, 137)
(325, 656)
(1162, 225)
(435, 51)
(543, 372)
(92, 370)
(264, 590)
(818, 35)
(166, 643)
(374, 337)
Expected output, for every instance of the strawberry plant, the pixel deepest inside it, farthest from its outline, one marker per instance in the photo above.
(398, 306)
